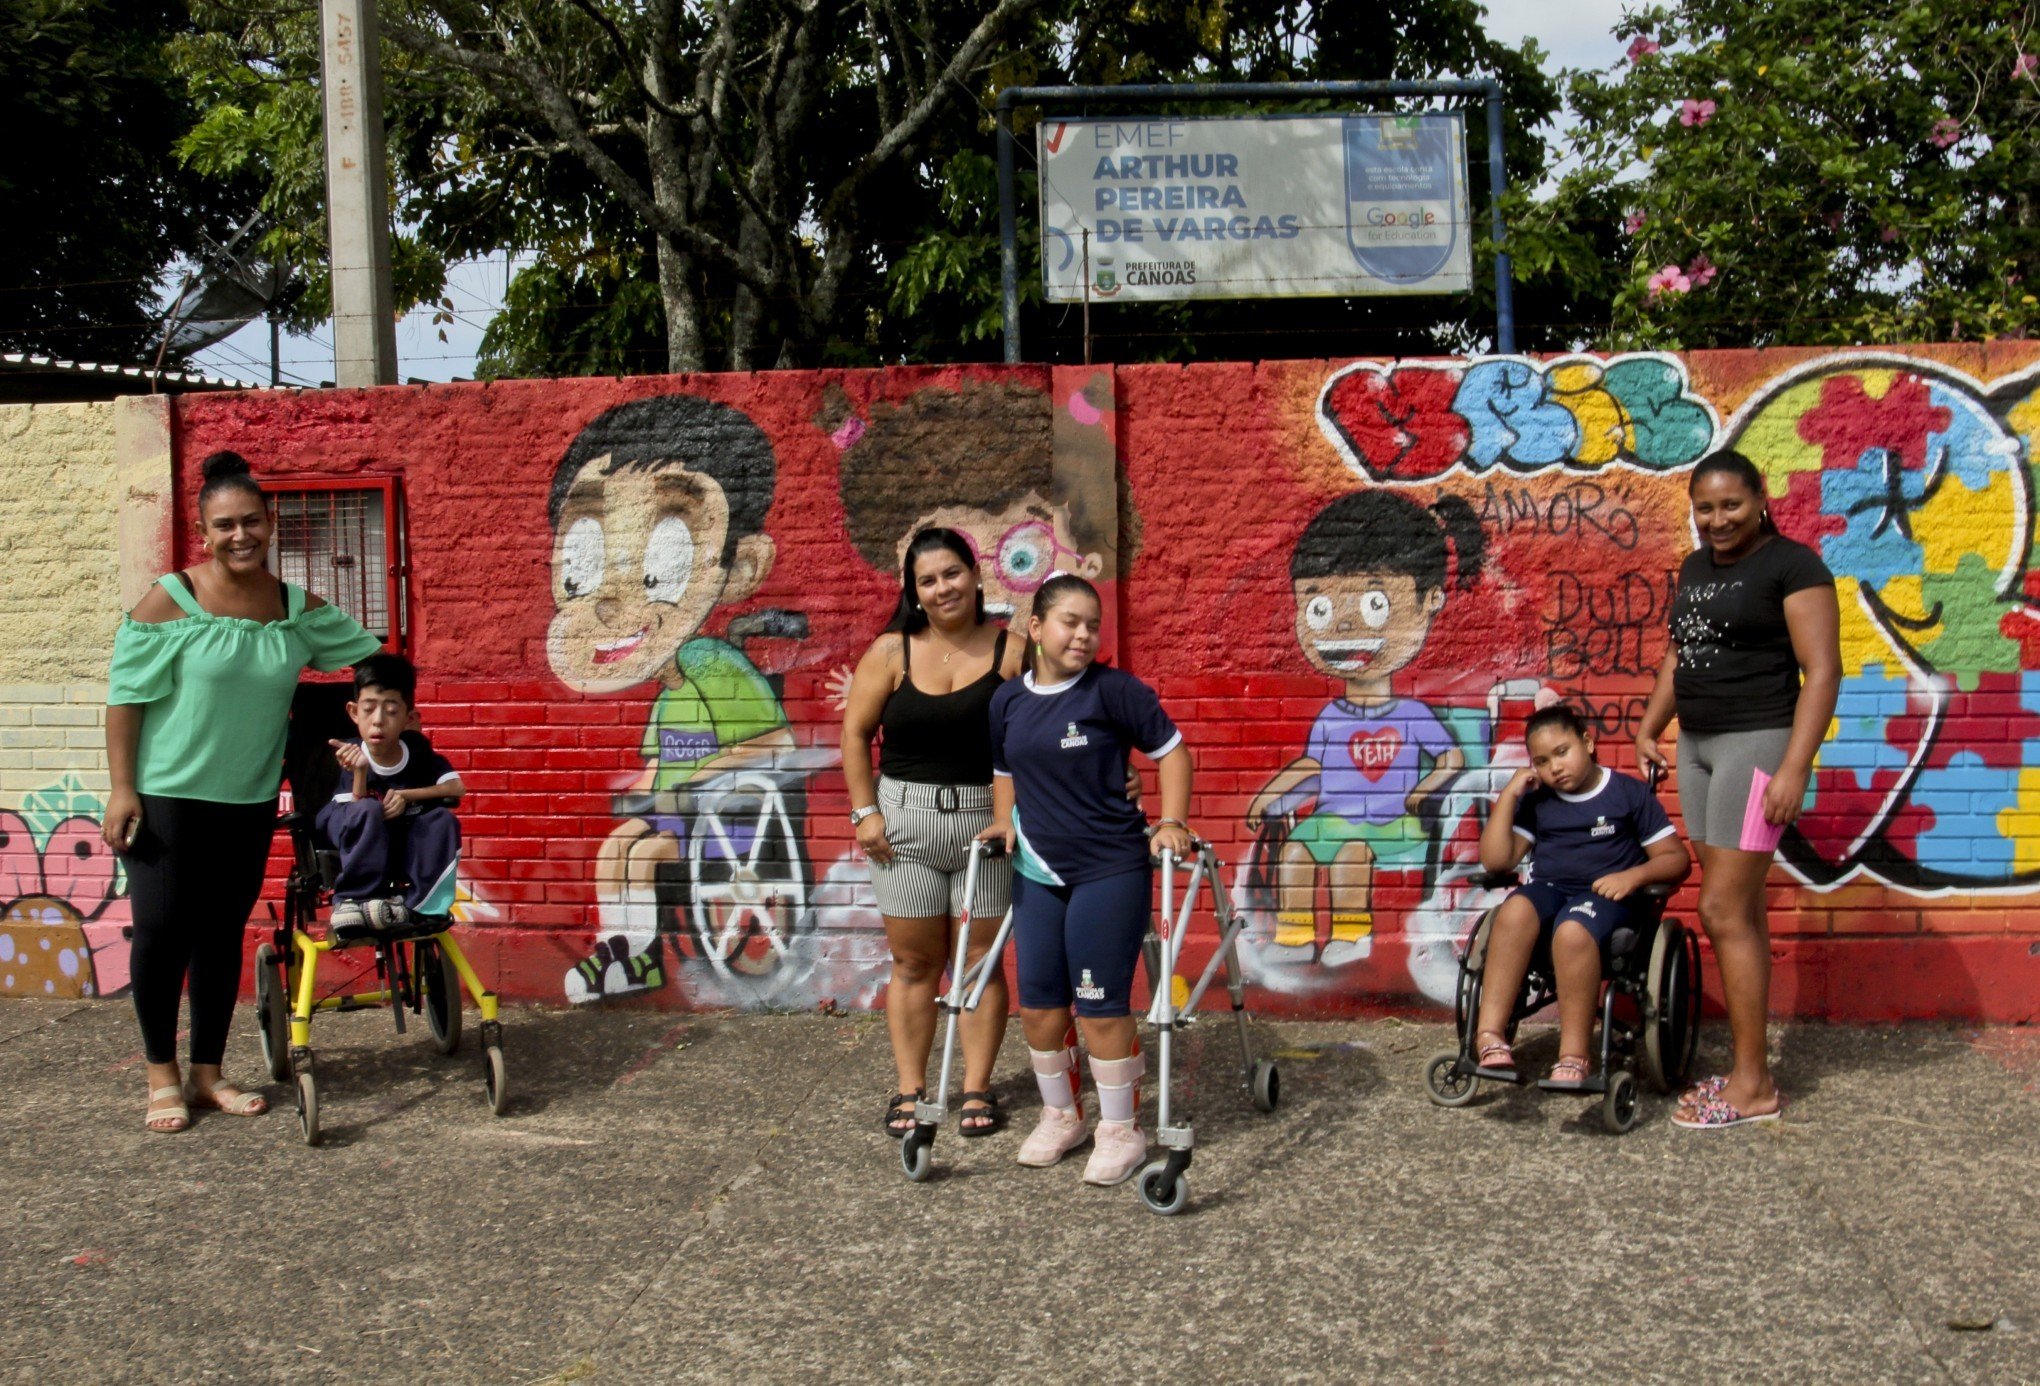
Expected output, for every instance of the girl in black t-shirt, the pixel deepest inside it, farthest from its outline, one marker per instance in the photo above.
(1752, 673)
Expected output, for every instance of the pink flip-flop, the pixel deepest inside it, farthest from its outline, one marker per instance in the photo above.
(1716, 1115)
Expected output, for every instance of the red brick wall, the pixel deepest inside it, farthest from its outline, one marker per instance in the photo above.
(1910, 893)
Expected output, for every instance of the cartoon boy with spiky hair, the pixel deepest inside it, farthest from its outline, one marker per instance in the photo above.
(657, 511)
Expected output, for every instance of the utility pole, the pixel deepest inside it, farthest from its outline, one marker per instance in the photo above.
(357, 201)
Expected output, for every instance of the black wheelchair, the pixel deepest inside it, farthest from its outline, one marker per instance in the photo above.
(1650, 1010)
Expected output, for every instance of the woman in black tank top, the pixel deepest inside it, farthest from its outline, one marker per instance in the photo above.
(925, 686)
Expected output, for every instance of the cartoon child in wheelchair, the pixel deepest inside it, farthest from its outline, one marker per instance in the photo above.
(1370, 575)
(657, 511)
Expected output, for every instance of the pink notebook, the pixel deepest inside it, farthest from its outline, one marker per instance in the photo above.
(1757, 835)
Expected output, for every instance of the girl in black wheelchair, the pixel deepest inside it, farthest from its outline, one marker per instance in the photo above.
(1597, 840)
(392, 817)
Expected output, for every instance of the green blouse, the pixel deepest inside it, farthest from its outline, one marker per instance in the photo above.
(215, 692)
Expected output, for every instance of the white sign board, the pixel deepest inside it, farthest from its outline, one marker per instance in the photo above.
(1253, 207)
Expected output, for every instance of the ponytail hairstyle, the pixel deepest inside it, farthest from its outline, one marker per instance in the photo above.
(908, 617)
(1729, 462)
(1050, 595)
(227, 471)
(1385, 531)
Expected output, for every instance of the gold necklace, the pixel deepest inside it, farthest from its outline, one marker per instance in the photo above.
(954, 650)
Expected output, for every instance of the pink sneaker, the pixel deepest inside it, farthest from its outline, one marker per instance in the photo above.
(1120, 1150)
(1060, 1130)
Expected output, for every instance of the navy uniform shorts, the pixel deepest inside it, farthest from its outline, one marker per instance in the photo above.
(1079, 944)
(1556, 902)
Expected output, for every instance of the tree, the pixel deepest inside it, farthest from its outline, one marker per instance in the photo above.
(1795, 171)
(806, 182)
(94, 207)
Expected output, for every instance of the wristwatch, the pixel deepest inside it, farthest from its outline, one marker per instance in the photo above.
(858, 815)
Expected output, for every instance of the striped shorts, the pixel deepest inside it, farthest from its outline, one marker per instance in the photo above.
(930, 828)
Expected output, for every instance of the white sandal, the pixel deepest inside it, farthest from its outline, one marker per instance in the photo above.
(246, 1104)
(179, 1113)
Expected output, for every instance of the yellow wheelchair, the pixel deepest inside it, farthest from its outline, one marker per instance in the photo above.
(419, 968)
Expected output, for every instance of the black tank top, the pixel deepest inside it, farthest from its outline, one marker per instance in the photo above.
(941, 738)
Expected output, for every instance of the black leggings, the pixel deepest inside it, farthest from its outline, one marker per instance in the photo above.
(193, 874)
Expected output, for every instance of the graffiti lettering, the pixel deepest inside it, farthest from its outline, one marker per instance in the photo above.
(1583, 510)
(1604, 627)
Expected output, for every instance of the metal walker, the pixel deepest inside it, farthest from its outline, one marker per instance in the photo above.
(1163, 1187)
(966, 989)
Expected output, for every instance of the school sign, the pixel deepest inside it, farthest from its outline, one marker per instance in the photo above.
(1254, 207)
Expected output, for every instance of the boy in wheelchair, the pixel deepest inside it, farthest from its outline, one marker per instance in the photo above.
(1598, 842)
(391, 816)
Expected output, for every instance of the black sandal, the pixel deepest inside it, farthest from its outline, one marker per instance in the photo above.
(990, 1117)
(900, 1107)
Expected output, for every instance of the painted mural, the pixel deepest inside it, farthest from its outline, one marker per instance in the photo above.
(63, 910)
(1350, 583)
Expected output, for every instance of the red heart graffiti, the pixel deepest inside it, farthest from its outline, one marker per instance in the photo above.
(1374, 753)
(1399, 424)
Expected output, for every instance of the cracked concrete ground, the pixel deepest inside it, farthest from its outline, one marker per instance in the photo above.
(677, 1198)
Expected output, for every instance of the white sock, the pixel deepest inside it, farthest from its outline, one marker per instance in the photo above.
(635, 916)
(1118, 1082)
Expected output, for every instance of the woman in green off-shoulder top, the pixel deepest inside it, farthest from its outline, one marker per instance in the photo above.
(197, 707)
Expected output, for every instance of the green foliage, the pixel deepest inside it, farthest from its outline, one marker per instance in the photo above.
(93, 207)
(1867, 173)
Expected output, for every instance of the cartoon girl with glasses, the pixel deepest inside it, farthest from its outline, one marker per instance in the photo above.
(979, 459)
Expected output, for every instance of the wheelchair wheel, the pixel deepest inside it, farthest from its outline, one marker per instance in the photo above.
(306, 1089)
(495, 1079)
(1466, 996)
(1671, 1035)
(272, 1006)
(439, 987)
(749, 898)
(1618, 1104)
(1445, 1085)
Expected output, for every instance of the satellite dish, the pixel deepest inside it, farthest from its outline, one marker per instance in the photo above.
(230, 287)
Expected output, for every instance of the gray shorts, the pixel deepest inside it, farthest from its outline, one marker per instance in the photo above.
(930, 828)
(1714, 779)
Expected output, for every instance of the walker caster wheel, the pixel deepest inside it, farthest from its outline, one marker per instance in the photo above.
(1618, 1104)
(307, 1092)
(495, 1083)
(1164, 1192)
(1445, 1085)
(917, 1156)
(1267, 1085)
(273, 1010)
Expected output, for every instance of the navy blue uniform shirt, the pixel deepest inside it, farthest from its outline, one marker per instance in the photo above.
(1065, 747)
(1575, 839)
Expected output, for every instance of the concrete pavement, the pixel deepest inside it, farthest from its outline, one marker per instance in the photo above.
(677, 1198)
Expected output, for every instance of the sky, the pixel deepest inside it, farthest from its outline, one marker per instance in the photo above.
(1574, 33)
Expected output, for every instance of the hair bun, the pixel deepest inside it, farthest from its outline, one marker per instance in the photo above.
(223, 465)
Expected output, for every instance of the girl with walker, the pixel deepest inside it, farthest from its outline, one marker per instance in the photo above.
(1082, 877)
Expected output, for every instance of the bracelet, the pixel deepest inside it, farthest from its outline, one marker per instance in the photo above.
(858, 815)
(1172, 823)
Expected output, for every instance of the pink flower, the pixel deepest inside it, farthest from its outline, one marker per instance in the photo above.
(1633, 223)
(1693, 112)
(2026, 65)
(1701, 271)
(1669, 280)
(1888, 234)
(1945, 132)
(1641, 47)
